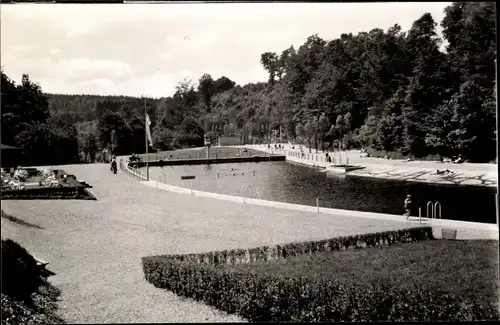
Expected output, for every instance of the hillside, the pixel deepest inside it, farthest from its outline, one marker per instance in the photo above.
(390, 90)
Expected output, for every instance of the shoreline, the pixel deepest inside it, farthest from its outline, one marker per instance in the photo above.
(411, 171)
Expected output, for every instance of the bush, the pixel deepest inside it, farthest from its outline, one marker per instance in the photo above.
(264, 253)
(43, 310)
(20, 274)
(266, 297)
(273, 298)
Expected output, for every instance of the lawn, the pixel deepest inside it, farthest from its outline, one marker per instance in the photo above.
(467, 269)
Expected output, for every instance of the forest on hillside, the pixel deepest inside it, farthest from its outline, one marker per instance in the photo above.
(391, 90)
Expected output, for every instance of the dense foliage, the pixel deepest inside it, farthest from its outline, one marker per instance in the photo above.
(20, 274)
(27, 298)
(272, 298)
(390, 90)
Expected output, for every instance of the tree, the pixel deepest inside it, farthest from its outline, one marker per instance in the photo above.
(269, 61)
(470, 29)
(108, 122)
(206, 89)
(65, 139)
(472, 123)
(22, 106)
(223, 84)
(429, 86)
(324, 128)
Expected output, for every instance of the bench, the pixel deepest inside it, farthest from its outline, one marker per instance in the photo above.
(43, 266)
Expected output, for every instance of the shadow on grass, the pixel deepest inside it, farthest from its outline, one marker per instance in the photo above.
(19, 221)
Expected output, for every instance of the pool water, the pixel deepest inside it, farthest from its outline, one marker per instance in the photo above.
(293, 183)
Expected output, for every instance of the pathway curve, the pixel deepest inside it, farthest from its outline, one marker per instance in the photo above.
(95, 247)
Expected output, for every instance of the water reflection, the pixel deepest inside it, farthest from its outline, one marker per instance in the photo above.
(292, 183)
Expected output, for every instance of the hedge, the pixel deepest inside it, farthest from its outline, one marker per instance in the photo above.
(27, 296)
(20, 274)
(272, 298)
(265, 253)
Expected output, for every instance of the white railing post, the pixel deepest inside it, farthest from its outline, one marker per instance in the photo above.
(419, 215)
(317, 204)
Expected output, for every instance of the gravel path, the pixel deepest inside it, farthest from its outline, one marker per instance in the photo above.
(95, 246)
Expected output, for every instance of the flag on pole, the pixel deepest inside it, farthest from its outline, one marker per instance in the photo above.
(148, 130)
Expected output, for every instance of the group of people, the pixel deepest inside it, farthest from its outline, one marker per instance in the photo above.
(240, 152)
(459, 160)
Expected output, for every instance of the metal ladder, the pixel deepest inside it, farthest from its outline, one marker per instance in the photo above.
(431, 211)
(242, 191)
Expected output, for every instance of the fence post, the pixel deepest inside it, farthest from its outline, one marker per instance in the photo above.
(419, 215)
(317, 204)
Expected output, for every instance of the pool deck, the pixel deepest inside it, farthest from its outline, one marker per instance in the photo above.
(412, 171)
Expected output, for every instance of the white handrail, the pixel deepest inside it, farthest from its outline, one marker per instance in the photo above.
(429, 204)
(435, 210)
(242, 190)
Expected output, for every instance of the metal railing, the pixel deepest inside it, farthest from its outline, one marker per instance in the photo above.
(131, 170)
(242, 191)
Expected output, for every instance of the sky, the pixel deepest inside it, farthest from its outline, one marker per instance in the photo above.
(146, 49)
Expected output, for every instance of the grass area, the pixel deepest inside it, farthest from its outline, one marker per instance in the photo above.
(468, 269)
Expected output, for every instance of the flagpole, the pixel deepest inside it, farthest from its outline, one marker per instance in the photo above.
(146, 134)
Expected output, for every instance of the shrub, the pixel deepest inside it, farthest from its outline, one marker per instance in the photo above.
(276, 297)
(20, 274)
(261, 297)
(264, 253)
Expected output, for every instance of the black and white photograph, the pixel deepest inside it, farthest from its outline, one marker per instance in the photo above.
(220, 162)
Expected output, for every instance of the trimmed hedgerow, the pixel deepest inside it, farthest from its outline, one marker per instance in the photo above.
(273, 298)
(276, 297)
(265, 253)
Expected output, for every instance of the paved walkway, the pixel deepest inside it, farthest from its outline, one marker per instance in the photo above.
(95, 246)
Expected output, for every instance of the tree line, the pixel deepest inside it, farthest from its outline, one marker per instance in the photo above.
(390, 90)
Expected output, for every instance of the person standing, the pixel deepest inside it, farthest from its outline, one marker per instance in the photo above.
(407, 206)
